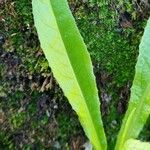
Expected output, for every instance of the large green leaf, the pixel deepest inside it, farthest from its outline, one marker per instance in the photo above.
(133, 144)
(139, 105)
(71, 65)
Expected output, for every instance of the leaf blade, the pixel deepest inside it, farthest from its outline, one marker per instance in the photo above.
(140, 94)
(133, 144)
(63, 46)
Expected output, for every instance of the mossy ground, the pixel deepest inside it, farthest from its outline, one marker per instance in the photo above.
(34, 114)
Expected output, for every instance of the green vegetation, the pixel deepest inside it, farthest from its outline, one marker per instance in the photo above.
(60, 39)
(135, 144)
(114, 63)
(139, 104)
(64, 48)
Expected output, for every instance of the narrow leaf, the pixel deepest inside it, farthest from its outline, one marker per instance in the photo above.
(139, 105)
(133, 144)
(71, 65)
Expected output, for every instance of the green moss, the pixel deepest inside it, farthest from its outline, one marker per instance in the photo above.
(17, 119)
(68, 127)
(113, 50)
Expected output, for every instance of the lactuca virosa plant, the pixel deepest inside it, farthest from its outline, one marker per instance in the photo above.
(71, 65)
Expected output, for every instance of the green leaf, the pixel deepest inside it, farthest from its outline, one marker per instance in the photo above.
(71, 64)
(139, 105)
(133, 144)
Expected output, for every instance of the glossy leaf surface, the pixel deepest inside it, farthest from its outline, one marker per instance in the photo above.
(70, 63)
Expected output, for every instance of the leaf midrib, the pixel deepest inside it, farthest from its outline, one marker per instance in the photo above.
(87, 110)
